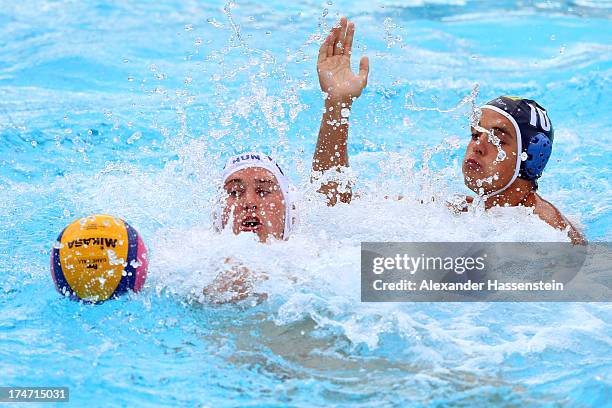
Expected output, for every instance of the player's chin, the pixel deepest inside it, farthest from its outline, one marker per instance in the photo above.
(472, 172)
(263, 235)
(472, 183)
(267, 234)
(469, 178)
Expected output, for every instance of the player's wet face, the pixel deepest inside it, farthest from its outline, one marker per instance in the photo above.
(255, 202)
(490, 158)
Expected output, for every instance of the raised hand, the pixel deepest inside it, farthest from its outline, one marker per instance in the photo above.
(334, 65)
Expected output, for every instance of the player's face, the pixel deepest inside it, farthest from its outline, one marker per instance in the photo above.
(490, 158)
(255, 202)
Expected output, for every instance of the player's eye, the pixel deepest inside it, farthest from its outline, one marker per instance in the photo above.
(234, 192)
(262, 192)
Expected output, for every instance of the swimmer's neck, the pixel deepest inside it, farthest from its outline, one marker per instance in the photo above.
(520, 192)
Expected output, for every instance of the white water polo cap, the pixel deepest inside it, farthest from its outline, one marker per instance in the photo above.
(261, 160)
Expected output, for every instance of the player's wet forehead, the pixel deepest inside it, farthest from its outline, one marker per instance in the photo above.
(496, 122)
(252, 175)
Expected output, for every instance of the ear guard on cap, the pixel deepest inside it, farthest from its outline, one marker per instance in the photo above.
(538, 152)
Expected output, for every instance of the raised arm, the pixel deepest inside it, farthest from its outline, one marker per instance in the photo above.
(342, 87)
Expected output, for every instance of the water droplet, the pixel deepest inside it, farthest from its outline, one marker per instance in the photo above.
(214, 22)
(135, 136)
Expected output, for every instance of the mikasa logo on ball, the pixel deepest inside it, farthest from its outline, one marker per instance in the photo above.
(108, 242)
(99, 257)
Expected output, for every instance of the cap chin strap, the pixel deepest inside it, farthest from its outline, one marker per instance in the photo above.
(519, 144)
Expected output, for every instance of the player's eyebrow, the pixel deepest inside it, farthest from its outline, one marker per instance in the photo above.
(500, 131)
(234, 180)
(264, 181)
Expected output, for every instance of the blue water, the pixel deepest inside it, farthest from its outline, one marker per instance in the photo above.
(131, 109)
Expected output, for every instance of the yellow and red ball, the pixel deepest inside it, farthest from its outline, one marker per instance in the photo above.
(97, 258)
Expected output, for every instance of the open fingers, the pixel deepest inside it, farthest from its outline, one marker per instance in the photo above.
(324, 47)
(339, 40)
(333, 35)
(364, 70)
(348, 40)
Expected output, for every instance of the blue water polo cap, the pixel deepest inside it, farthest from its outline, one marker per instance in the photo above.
(534, 130)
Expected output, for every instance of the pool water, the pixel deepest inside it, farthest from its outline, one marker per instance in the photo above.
(131, 109)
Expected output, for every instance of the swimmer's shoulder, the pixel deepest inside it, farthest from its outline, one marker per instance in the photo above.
(553, 217)
(547, 212)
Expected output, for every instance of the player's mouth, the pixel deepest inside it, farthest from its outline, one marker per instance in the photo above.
(473, 164)
(251, 223)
